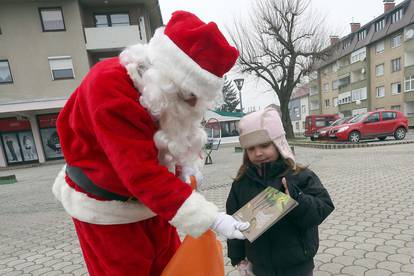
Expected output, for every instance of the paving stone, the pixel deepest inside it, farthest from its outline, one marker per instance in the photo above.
(386, 248)
(377, 272)
(400, 258)
(354, 270)
(408, 268)
(391, 266)
(333, 268)
(367, 262)
(357, 253)
(380, 256)
(345, 260)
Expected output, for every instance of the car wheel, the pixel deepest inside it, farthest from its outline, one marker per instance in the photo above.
(382, 138)
(354, 137)
(312, 139)
(399, 134)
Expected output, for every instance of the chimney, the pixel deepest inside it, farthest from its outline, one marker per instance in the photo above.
(355, 27)
(388, 5)
(334, 39)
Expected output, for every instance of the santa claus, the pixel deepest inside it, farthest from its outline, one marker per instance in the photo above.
(123, 130)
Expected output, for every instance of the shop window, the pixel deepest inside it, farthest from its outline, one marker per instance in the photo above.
(61, 68)
(52, 19)
(5, 73)
(17, 140)
(229, 129)
(49, 136)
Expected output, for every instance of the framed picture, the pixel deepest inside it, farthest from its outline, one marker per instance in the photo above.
(12, 148)
(28, 146)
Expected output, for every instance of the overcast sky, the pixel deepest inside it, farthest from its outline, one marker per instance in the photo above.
(338, 14)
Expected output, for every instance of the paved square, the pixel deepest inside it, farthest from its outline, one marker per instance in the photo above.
(371, 232)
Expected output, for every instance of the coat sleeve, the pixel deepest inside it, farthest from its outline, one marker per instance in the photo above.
(314, 201)
(124, 130)
(235, 247)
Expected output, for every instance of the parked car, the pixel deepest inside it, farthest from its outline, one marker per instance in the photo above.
(316, 122)
(374, 124)
(323, 133)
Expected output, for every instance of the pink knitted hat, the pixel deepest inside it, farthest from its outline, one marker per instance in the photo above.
(262, 127)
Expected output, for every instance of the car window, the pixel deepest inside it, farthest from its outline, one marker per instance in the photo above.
(373, 117)
(357, 118)
(320, 123)
(388, 115)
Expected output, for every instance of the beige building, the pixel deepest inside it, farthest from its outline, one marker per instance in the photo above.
(370, 68)
(47, 47)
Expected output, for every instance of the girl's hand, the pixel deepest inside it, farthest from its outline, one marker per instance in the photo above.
(284, 182)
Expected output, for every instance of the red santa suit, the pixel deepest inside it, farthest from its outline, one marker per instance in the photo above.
(112, 129)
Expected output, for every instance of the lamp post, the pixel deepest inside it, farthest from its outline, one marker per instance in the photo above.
(239, 83)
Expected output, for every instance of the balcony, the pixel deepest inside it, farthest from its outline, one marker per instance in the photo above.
(409, 96)
(113, 38)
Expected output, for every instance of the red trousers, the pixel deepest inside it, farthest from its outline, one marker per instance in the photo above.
(136, 249)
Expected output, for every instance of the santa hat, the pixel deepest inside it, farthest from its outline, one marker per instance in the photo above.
(264, 126)
(195, 55)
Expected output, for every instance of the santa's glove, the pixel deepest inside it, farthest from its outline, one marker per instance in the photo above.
(187, 172)
(229, 227)
(245, 268)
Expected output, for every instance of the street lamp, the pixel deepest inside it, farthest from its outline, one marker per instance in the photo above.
(239, 83)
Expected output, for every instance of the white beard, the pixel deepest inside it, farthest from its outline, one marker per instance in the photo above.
(180, 138)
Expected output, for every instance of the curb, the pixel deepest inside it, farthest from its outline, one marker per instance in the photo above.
(349, 145)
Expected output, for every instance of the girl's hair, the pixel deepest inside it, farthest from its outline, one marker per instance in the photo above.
(289, 163)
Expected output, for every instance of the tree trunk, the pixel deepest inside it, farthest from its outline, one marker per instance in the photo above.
(287, 123)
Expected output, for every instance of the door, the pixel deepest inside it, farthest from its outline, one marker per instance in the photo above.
(371, 125)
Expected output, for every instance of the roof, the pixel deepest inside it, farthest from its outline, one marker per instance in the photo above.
(223, 116)
(336, 51)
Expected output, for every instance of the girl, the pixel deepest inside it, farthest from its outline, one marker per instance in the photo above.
(288, 247)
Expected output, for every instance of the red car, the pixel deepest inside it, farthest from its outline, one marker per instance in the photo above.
(323, 133)
(375, 124)
(316, 122)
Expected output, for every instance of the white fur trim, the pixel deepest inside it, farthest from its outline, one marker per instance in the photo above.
(182, 70)
(195, 216)
(87, 209)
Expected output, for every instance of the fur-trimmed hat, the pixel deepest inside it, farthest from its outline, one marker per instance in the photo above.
(262, 127)
(195, 55)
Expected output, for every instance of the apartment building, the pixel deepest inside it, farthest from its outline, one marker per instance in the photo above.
(299, 108)
(371, 68)
(46, 48)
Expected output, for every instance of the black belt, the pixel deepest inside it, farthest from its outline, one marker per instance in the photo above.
(83, 181)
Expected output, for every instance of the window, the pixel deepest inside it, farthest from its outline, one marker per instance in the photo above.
(409, 83)
(379, 70)
(327, 103)
(303, 125)
(396, 88)
(362, 34)
(52, 19)
(396, 107)
(297, 125)
(380, 91)
(303, 109)
(344, 98)
(379, 25)
(61, 68)
(335, 101)
(379, 47)
(335, 84)
(346, 43)
(396, 65)
(5, 74)
(325, 87)
(358, 55)
(373, 117)
(111, 20)
(359, 94)
(388, 115)
(296, 111)
(396, 41)
(396, 16)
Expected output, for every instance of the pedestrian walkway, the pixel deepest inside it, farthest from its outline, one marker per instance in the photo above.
(371, 232)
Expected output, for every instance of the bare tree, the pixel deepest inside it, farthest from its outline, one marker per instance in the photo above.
(279, 43)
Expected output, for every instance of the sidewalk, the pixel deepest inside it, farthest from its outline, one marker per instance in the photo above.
(371, 232)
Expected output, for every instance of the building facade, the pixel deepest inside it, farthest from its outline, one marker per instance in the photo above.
(47, 47)
(299, 108)
(371, 68)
